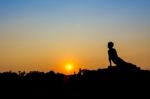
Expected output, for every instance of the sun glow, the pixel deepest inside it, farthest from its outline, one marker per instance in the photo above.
(69, 67)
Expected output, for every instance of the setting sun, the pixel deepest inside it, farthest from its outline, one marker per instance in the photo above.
(69, 67)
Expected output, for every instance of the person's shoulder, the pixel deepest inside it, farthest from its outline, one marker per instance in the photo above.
(113, 50)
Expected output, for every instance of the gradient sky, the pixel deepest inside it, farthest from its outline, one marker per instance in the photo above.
(48, 34)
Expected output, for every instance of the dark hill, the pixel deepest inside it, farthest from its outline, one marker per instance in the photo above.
(113, 81)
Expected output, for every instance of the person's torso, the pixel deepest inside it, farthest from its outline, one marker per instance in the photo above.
(113, 54)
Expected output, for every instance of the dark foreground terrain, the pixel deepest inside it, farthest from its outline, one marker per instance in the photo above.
(118, 81)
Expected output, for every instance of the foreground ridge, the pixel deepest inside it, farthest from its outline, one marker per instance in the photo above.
(84, 83)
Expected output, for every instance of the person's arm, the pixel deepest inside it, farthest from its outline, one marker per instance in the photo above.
(110, 61)
(109, 58)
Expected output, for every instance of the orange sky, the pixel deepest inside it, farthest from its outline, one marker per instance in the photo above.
(48, 35)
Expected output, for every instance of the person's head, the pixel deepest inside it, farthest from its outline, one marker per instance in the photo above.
(110, 45)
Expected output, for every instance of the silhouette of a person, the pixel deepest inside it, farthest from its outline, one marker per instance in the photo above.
(113, 56)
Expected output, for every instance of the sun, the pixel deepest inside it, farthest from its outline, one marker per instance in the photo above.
(69, 67)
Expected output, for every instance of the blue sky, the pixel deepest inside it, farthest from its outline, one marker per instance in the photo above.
(16, 8)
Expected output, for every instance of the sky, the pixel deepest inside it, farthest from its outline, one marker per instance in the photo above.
(47, 35)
